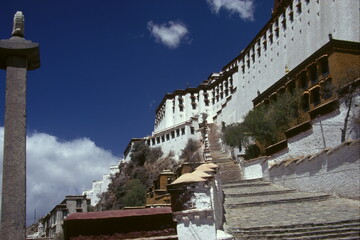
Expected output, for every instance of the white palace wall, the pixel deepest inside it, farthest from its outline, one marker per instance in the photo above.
(100, 186)
(259, 68)
(287, 39)
(174, 139)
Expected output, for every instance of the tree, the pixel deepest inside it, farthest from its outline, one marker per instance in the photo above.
(348, 87)
(135, 193)
(128, 187)
(139, 153)
(265, 124)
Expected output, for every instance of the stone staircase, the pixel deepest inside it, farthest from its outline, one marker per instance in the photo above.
(255, 209)
(229, 170)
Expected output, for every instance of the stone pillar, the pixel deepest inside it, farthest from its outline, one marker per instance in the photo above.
(17, 55)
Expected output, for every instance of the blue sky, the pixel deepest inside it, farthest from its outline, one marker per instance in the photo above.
(106, 65)
(102, 72)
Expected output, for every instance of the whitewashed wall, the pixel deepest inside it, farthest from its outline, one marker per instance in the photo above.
(303, 36)
(308, 32)
(100, 186)
(252, 169)
(174, 139)
(336, 172)
(325, 133)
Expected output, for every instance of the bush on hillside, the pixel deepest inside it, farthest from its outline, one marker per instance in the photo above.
(135, 176)
(265, 125)
(135, 193)
(190, 152)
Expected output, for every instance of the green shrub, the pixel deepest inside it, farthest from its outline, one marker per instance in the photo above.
(265, 125)
(135, 193)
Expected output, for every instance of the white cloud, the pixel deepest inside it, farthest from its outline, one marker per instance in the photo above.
(245, 8)
(169, 34)
(58, 168)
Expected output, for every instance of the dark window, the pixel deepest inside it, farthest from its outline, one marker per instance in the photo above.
(78, 203)
(153, 141)
(298, 7)
(206, 95)
(305, 102)
(303, 80)
(315, 96)
(192, 130)
(167, 137)
(273, 97)
(324, 66)
(163, 138)
(65, 213)
(291, 86)
(291, 16)
(284, 23)
(172, 134)
(313, 73)
(182, 131)
(277, 32)
(158, 139)
(177, 132)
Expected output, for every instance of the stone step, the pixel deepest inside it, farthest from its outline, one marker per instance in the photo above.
(246, 184)
(275, 196)
(221, 166)
(281, 200)
(236, 195)
(232, 170)
(229, 168)
(335, 234)
(228, 164)
(296, 227)
(292, 213)
(222, 159)
(250, 188)
(241, 181)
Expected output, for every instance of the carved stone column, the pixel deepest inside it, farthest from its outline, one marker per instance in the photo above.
(17, 55)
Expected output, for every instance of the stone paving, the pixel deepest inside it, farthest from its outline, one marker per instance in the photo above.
(333, 209)
(253, 206)
(255, 209)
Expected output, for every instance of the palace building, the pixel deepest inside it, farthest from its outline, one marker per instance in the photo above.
(311, 45)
